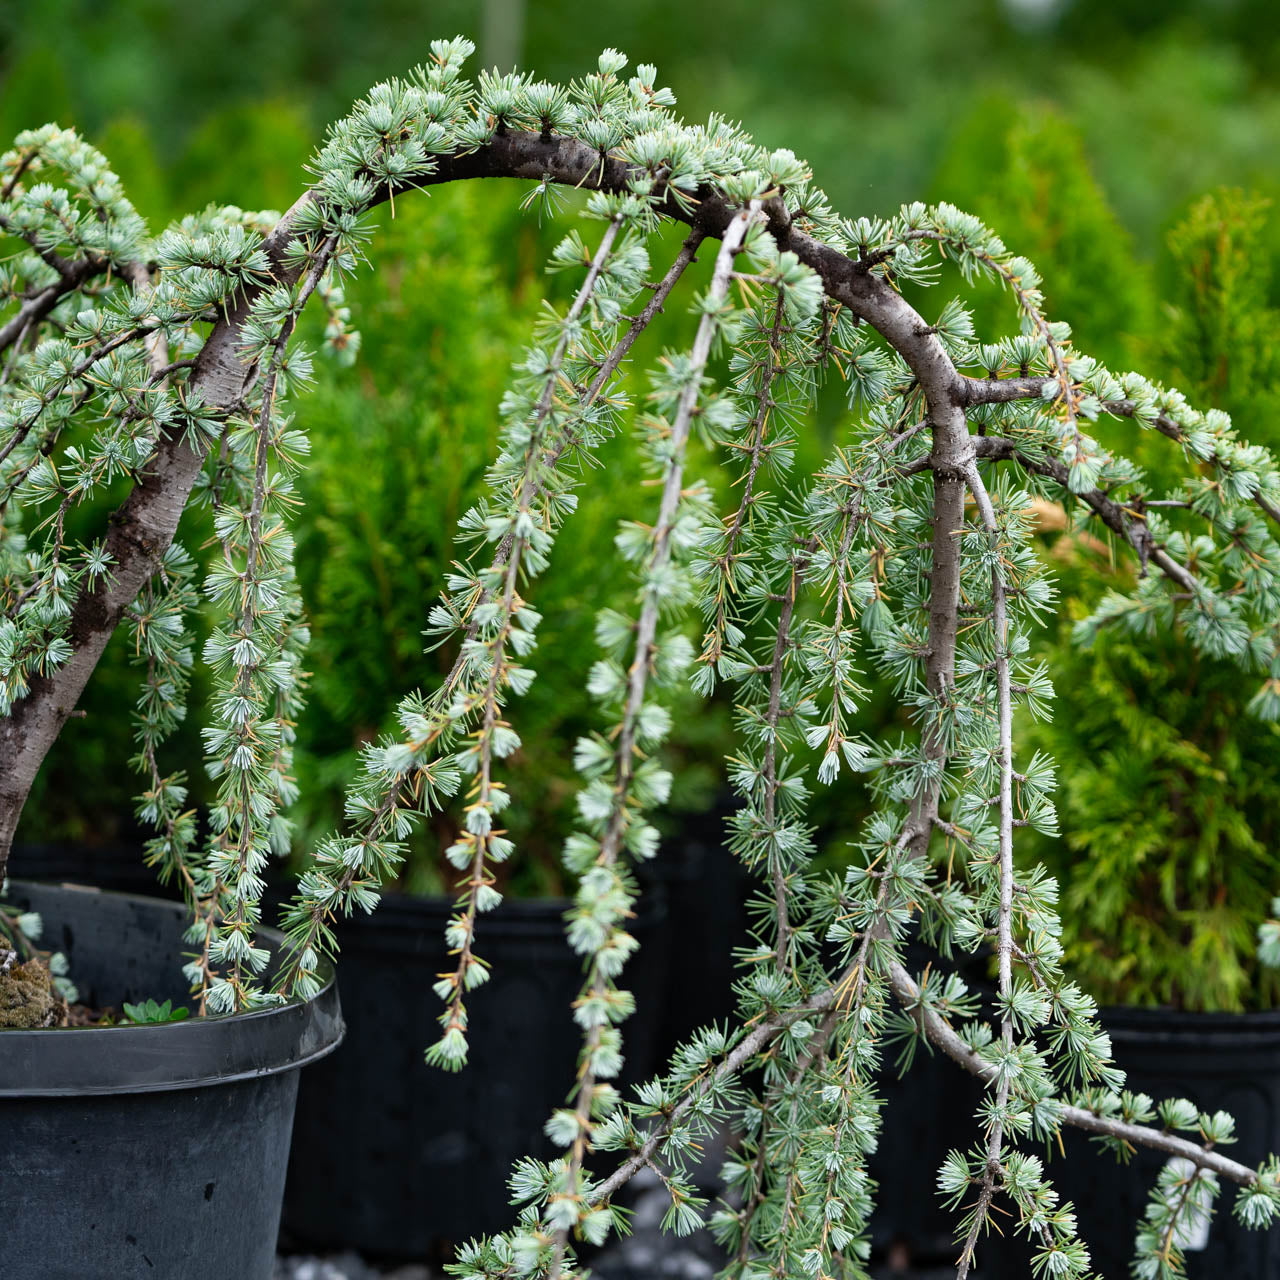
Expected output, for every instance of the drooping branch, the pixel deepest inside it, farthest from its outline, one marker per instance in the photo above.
(406, 788)
(478, 878)
(1004, 932)
(772, 719)
(247, 811)
(756, 448)
(984, 391)
(646, 630)
(752, 1043)
(140, 532)
(1119, 519)
(946, 1039)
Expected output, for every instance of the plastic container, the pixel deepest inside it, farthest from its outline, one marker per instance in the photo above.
(119, 866)
(706, 890)
(398, 1159)
(927, 1112)
(156, 1151)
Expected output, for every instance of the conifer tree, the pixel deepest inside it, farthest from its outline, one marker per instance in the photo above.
(165, 364)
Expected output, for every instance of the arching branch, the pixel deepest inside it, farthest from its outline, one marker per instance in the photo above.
(144, 525)
(980, 391)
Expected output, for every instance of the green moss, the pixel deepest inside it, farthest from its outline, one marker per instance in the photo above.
(27, 998)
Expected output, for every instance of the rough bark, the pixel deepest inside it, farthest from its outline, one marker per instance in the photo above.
(140, 532)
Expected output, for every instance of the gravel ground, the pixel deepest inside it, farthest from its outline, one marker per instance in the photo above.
(647, 1254)
(347, 1266)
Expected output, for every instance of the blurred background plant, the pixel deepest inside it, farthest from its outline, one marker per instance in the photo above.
(1127, 148)
(1169, 787)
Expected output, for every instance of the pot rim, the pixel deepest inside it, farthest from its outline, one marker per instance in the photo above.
(221, 1049)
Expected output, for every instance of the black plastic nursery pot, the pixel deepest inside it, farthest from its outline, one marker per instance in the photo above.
(156, 1151)
(119, 866)
(706, 890)
(927, 1112)
(398, 1159)
(1220, 1061)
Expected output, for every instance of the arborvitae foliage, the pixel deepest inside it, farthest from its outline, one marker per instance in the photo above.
(1223, 334)
(165, 363)
(1025, 171)
(1169, 793)
(1169, 789)
(1167, 786)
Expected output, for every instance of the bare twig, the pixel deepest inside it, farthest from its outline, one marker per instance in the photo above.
(1004, 944)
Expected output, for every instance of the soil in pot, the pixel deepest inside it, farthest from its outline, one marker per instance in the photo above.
(155, 1150)
(397, 1159)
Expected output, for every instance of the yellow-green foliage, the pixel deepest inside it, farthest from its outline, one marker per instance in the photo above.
(1170, 790)
(1024, 169)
